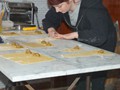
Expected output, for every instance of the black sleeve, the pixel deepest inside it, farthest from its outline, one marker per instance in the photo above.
(1, 41)
(97, 32)
(52, 19)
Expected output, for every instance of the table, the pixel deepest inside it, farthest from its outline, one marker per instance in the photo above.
(60, 66)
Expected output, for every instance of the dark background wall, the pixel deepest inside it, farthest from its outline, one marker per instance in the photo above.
(113, 7)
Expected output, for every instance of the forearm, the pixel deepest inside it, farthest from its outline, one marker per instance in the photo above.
(73, 35)
(52, 19)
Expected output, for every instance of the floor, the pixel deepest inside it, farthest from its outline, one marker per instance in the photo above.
(113, 84)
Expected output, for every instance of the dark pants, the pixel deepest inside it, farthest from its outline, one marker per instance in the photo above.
(97, 81)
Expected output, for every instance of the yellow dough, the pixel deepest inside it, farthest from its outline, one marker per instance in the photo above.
(27, 57)
(73, 49)
(31, 32)
(39, 44)
(11, 46)
(9, 33)
(87, 53)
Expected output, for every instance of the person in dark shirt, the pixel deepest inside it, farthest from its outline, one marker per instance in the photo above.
(90, 23)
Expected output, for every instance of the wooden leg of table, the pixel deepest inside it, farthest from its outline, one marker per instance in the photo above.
(88, 83)
(29, 87)
(73, 83)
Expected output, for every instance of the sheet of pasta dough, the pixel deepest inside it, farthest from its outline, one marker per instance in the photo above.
(4, 47)
(23, 58)
(86, 54)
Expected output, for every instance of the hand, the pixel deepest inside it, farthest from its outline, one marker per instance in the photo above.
(52, 32)
(67, 36)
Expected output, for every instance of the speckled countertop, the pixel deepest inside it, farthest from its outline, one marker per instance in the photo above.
(60, 66)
